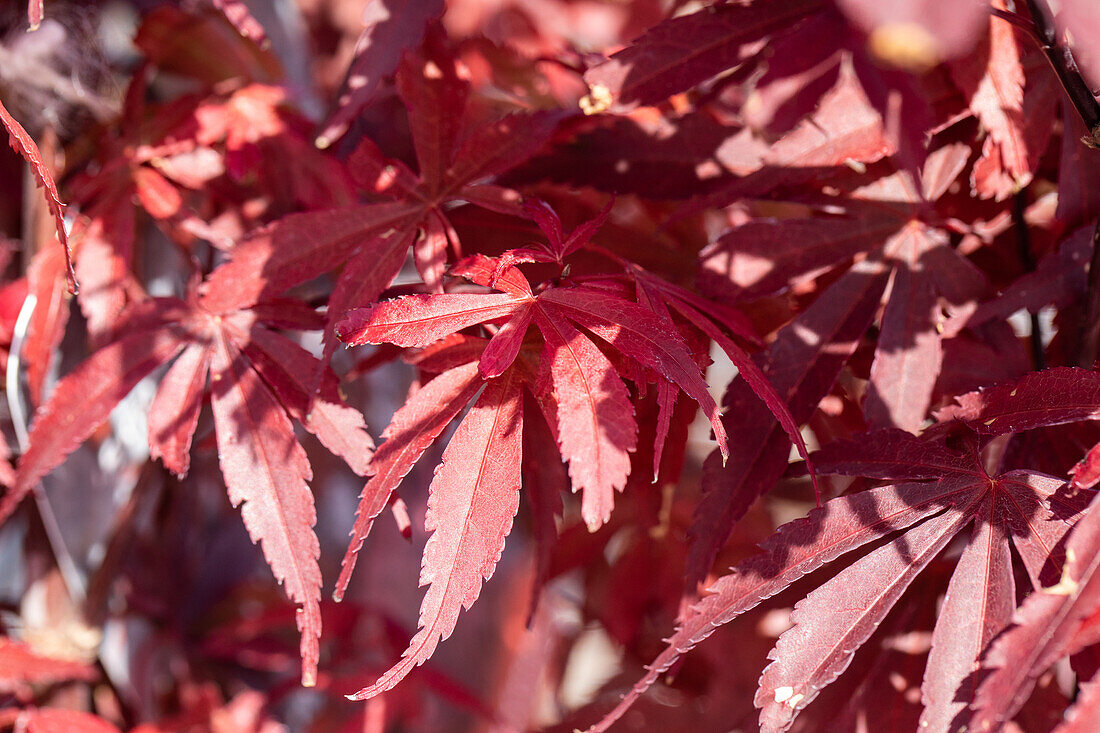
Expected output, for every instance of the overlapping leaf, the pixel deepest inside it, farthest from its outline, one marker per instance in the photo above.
(259, 380)
(834, 620)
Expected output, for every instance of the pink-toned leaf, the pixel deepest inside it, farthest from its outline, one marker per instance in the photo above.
(505, 344)
(414, 427)
(908, 355)
(82, 401)
(435, 97)
(266, 473)
(595, 418)
(291, 372)
(640, 335)
(418, 320)
(174, 413)
(20, 665)
(23, 144)
(471, 503)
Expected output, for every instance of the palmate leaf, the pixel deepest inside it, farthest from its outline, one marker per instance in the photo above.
(598, 456)
(370, 241)
(834, 620)
(259, 380)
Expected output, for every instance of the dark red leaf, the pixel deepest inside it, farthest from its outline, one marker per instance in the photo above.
(682, 52)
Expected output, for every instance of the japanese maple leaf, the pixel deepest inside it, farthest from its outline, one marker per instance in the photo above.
(474, 494)
(936, 495)
(166, 159)
(891, 220)
(259, 380)
(1012, 147)
(687, 50)
(370, 241)
(387, 33)
(22, 143)
(1052, 623)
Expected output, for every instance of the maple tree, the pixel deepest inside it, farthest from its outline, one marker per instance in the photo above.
(486, 270)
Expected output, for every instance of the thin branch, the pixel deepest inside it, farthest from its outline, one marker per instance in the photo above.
(1023, 249)
(1089, 342)
(1062, 61)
